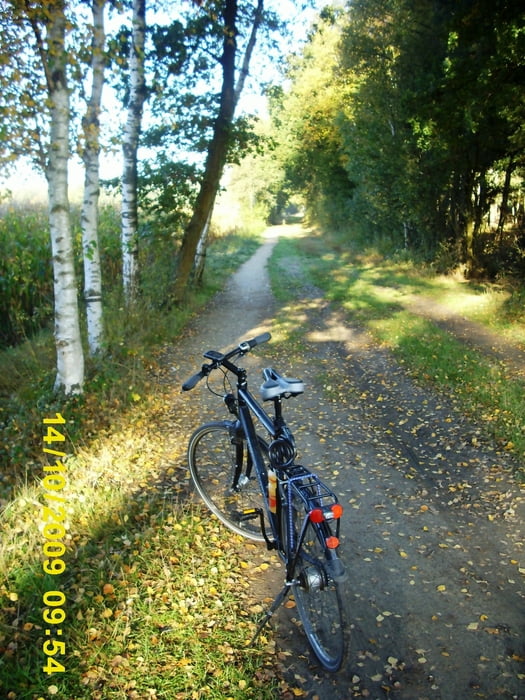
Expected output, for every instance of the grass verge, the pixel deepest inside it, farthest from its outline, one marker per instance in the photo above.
(155, 594)
(373, 291)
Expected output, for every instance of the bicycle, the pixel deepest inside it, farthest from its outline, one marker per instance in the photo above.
(256, 488)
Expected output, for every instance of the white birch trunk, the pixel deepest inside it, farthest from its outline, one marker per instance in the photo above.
(89, 217)
(129, 238)
(202, 246)
(70, 357)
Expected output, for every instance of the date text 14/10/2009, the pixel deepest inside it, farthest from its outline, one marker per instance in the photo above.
(54, 530)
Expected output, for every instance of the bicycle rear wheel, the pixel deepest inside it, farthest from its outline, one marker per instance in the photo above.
(217, 453)
(316, 594)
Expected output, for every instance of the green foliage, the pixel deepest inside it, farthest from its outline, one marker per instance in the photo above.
(401, 127)
(26, 279)
(167, 190)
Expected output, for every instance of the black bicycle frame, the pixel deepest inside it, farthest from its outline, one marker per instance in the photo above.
(246, 405)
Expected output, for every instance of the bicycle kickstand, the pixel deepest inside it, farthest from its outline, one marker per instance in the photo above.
(269, 613)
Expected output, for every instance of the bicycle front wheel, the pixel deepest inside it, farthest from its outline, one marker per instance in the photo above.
(316, 593)
(224, 475)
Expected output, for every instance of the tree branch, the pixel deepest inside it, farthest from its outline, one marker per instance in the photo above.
(39, 43)
(249, 50)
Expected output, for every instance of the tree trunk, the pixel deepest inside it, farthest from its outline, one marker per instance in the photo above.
(504, 208)
(216, 154)
(196, 230)
(89, 217)
(200, 252)
(129, 239)
(70, 357)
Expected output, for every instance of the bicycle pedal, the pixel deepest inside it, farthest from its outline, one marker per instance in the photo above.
(250, 514)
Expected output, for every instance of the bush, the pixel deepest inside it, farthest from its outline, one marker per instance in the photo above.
(500, 254)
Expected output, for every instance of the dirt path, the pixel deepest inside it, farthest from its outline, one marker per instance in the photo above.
(471, 333)
(433, 537)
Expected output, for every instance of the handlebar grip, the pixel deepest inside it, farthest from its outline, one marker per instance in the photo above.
(192, 381)
(263, 338)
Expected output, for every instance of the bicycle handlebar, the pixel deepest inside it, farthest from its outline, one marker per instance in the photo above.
(218, 358)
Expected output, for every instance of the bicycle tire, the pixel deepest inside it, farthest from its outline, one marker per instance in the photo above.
(317, 595)
(212, 455)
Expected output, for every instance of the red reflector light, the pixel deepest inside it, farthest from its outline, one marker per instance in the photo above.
(316, 515)
(337, 510)
(332, 542)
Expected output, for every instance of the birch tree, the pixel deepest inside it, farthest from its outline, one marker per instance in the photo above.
(130, 142)
(50, 29)
(90, 155)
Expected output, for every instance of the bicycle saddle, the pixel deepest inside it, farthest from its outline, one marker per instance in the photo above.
(277, 385)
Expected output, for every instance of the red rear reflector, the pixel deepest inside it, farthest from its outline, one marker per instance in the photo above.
(332, 542)
(337, 510)
(316, 515)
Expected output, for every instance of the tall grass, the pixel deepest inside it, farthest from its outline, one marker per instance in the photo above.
(26, 280)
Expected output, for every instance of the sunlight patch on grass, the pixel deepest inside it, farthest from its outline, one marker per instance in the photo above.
(482, 384)
(377, 294)
(157, 595)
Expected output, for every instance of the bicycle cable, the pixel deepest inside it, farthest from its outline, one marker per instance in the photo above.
(226, 384)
